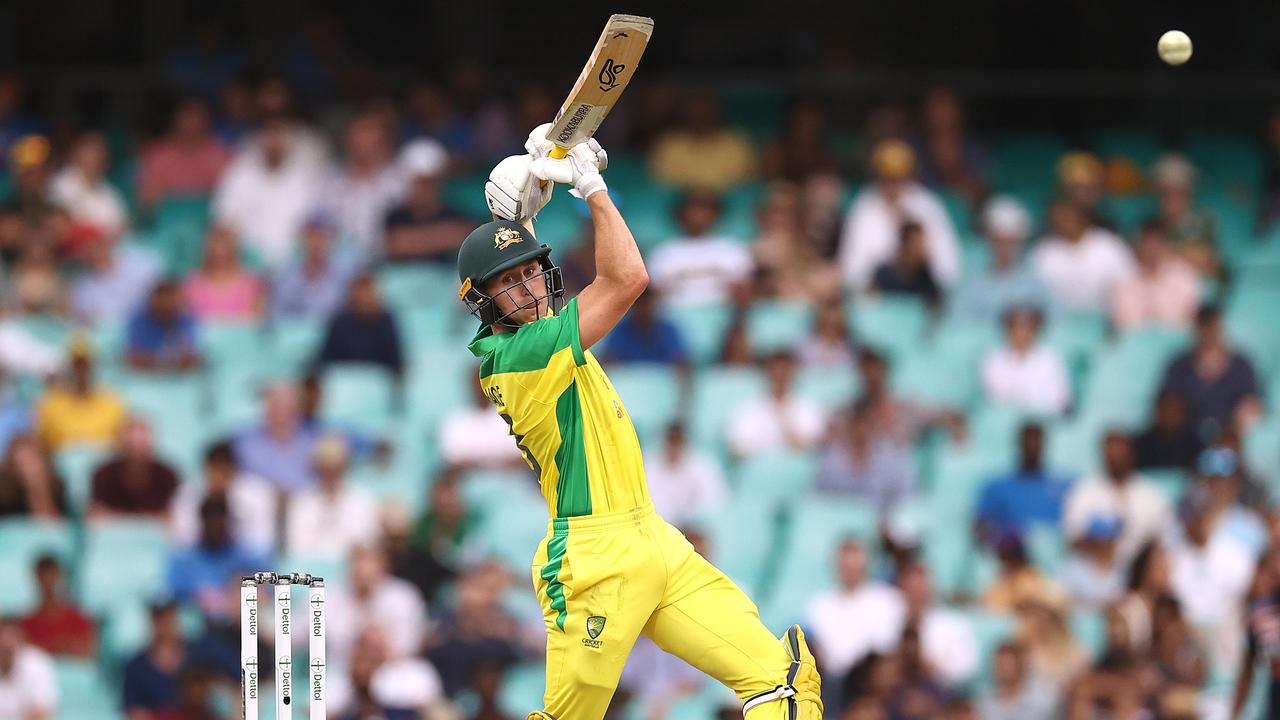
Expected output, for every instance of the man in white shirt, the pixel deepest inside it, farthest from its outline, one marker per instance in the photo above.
(250, 499)
(860, 616)
(1081, 264)
(373, 597)
(28, 686)
(779, 421)
(368, 185)
(333, 517)
(870, 235)
(683, 483)
(269, 189)
(477, 436)
(1025, 374)
(946, 638)
(1119, 492)
(81, 188)
(699, 267)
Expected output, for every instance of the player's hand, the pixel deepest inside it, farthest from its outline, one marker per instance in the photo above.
(591, 151)
(537, 144)
(512, 193)
(578, 169)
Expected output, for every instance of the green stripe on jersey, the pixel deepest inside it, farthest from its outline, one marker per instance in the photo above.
(551, 570)
(573, 491)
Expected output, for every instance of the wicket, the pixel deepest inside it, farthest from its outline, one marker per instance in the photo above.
(249, 676)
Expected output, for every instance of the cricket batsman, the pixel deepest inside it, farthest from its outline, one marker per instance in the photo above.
(609, 568)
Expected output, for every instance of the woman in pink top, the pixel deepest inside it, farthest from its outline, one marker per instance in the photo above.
(222, 289)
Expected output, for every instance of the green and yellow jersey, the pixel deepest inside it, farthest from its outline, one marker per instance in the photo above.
(565, 415)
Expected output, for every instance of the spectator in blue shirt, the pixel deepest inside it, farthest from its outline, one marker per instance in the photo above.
(200, 573)
(1217, 382)
(1012, 503)
(644, 336)
(1007, 282)
(314, 285)
(363, 332)
(279, 449)
(151, 677)
(162, 336)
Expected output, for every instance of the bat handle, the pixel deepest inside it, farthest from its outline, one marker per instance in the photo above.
(557, 152)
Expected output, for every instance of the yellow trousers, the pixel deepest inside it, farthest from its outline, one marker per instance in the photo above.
(604, 579)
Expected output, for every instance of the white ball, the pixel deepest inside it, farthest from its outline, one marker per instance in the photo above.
(1174, 47)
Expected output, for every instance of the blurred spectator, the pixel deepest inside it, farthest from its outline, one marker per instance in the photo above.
(946, 641)
(778, 421)
(333, 517)
(866, 462)
(1121, 492)
(903, 419)
(1028, 495)
(28, 685)
(1193, 231)
(985, 294)
(1210, 576)
(1262, 635)
(1052, 651)
(789, 259)
(1093, 575)
(15, 413)
(1171, 441)
(860, 616)
(206, 60)
(1220, 471)
(476, 631)
(195, 694)
(919, 694)
(828, 347)
(424, 227)
(15, 121)
(405, 558)
(314, 285)
(115, 281)
(908, 273)
(951, 158)
(446, 525)
(364, 331)
(235, 113)
(250, 500)
(29, 196)
(1026, 374)
(363, 446)
(186, 161)
(871, 229)
(161, 336)
(1177, 658)
(1112, 685)
(200, 572)
(803, 147)
(703, 154)
(658, 681)
(82, 190)
(268, 189)
(384, 684)
(1165, 291)
(279, 449)
(644, 336)
(877, 678)
(1082, 184)
(151, 676)
(23, 351)
(29, 485)
(1016, 692)
(1081, 264)
(372, 597)
(431, 115)
(478, 436)
(1147, 582)
(1018, 582)
(76, 410)
(57, 625)
(699, 267)
(36, 285)
(1216, 381)
(685, 483)
(368, 184)
(222, 289)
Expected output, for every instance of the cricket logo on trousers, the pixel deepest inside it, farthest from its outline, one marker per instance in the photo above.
(595, 626)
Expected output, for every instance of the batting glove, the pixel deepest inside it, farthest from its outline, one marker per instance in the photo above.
(581, 169)
(512, 192)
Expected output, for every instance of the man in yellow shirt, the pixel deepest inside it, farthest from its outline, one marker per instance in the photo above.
(609, 567)
(75, 411)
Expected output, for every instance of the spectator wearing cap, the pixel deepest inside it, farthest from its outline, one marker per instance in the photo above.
(28, 683)
(185, 161)
(1171, 441)
(313, 285)
(1121, 492)
(57, 625)
(702, 153)
(424, 227)
(1219, 469)
(364, 331)
(199, 573)
(134, 482)
(1081, 264)
(870, 236)
(250, 500)
(1216, 381)
(1193, 231)
(866, 462)
(368, 184)
(82, 190)
(150, 682)
(222, 289)
(76, 410)
(161, 337)
(29, 198)
(333, 517)
(780, 421)
(1081, 182)
(115, 280)
(1026, 374)
(986, 293)
(700, 266)
(1093, 575)
(1028, 495)
(684, 482)
(1165, 290)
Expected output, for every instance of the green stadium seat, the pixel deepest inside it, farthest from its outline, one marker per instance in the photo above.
(466, 193)
(960, 212)
(777, 477)
(180, 226)
(175, 405)
(965, 341)
(1128, 212)
(702, 328)
(1173, 482)
(831, 390)
(83, 692)
(229, 343)
(1046, 547)
(126, 629)
(1076, 447)
(333, 568)
(124, 561)
(742, 537)
(1077, 336)
(1141, 146)
(522, 688)
(716, 393)
(707, 702)
(937, 379)
(406, 286)
(295, 342)
(560, 224)
(778, 325)
(1226, 157)
(1262, 451)
(650, 393)
(992, 437)
(893, 325)
(989, 630)
(740, 207)
(76, 465)
(510, 530)
(1089, 628)
(358, 395)
(650, 214)
(22, 541)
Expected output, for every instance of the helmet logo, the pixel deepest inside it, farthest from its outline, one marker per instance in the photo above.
(506, 237)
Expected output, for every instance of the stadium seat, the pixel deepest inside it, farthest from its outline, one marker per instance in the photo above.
(1089, 628)
(175, 406)
(650, 214)
(1262, 451)
(228, 343)
(777, 477)
(1046, 547)
(743, 536)
(358, 395)
(1142, 146)
(989, 630)
(1128, 212)
(180, 226)
(126, 629)
(960, 212)
(1173, 482)
(76, 465)
(740, 208)
(702, 328)
(830, 390)
(522, 688)
(406, 286)
(717, 392)
(936, 379)
(650, 393)
(1075, 447)
(894, 325)
(22, 541)
(83, 692)
(294, 343)
(511, 528)
(778, 325)
(124, 561)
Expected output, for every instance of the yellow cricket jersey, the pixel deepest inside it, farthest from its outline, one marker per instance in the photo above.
(565, 415)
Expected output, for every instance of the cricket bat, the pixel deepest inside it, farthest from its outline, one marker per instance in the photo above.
(604, 77)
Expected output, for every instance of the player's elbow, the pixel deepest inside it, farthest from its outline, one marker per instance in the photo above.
(637, 281)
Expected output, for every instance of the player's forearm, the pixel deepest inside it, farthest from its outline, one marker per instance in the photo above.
(617, 257)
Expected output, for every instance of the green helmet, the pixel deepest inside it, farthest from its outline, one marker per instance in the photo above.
(492, 249)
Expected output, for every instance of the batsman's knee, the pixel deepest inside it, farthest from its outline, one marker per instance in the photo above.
(799, 695)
